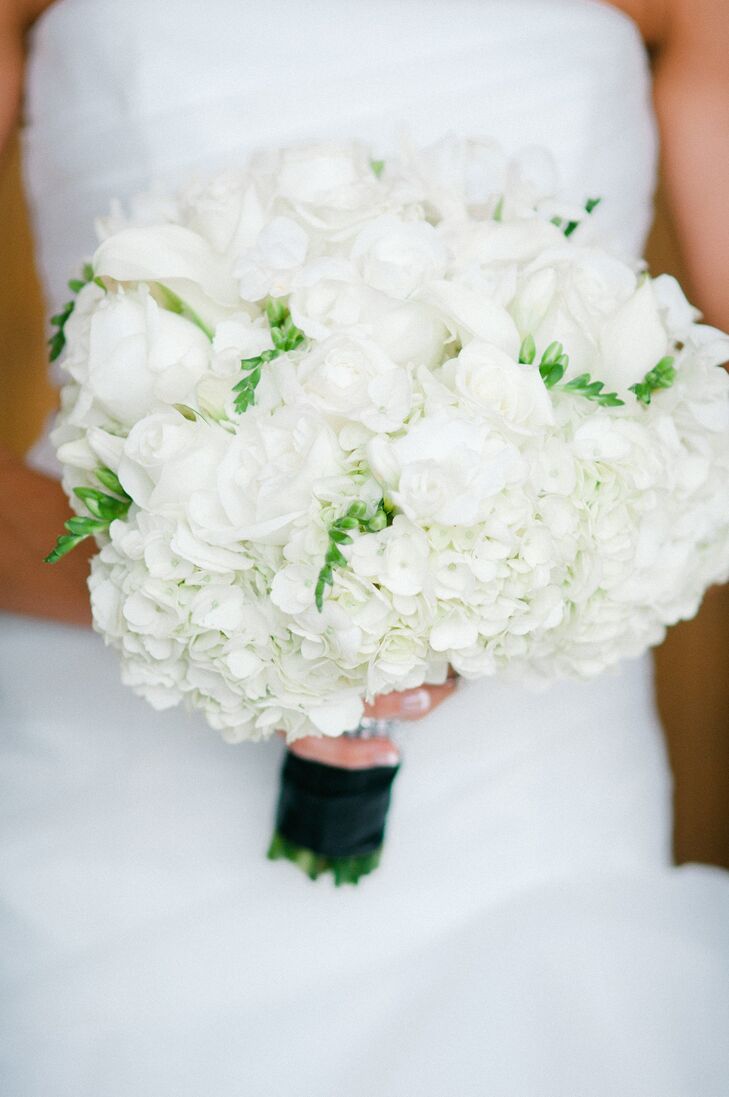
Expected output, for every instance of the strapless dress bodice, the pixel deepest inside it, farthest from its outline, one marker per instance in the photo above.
(122, 95)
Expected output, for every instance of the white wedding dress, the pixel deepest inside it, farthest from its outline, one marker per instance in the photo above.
(526, 935)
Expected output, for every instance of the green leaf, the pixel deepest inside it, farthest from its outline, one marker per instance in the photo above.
(334, 556)
(378, 521)
(498, 214)
(57, 341)
(104, 510)
(245, 390)
(378, 166)
(553, 352)
(570, 226)
(102, 506)
(170, 301)
(552, 373)
(345, 870)
(355, 518)
(593, 390)
(339, 536)
(84, 527)
(285, 337)
(276, 312)
(661, 376)
(63, 546)
(527, 351)
(110, 480)
(553, 364)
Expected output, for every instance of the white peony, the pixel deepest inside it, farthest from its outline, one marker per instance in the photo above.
(497, 386)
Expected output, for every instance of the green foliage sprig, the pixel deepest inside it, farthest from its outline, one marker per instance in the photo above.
(661, 376)
(378, 166)
(593, 390)
(103, 509)
(552, 367)
(57, 341)
(568, 227)
(339, 534)
(285, 336)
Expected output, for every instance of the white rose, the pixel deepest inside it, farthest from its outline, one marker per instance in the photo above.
(226, 210)
(445, 469)
(267, 478)
(331, 187)
(496, 384)
(347, 377)
(330, 295)
(565, 295)
(166, 458)
(398, 257)
(140, 355)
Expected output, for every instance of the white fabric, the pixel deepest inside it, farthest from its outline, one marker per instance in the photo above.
(525, 935)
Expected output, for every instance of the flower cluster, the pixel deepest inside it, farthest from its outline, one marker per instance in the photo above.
(367, 420)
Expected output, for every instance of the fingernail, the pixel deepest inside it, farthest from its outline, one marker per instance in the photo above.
(415, 703)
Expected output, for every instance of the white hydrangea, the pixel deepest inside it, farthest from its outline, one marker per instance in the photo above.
(320, 332)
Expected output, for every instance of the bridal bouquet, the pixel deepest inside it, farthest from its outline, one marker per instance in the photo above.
(338, 424)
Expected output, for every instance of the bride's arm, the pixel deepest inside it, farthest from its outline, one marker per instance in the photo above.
(32, 507)
(692, 101)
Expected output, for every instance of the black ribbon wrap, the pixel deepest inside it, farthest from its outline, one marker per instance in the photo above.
(332, 811)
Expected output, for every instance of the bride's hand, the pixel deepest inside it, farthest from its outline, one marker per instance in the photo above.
(411, 704)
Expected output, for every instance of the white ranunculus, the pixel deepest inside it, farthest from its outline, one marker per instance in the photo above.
(497, 385)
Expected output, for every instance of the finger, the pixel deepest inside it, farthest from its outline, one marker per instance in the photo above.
(346, 753)
(410, 704)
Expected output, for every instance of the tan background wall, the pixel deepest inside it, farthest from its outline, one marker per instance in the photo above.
(692, 666)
